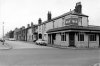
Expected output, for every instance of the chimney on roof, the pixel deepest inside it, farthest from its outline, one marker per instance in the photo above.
(78, 7)
(28, 25)
(39, 21)
(31, 24)
(23, 27)
(49, 16)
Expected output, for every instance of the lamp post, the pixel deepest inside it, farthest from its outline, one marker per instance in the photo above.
(3, 32)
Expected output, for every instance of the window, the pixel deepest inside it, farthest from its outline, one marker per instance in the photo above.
(40, 36)
(63, 36)
(80, 37)
(92, 37)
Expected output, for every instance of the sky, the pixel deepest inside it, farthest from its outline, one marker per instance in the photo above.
(18, 13)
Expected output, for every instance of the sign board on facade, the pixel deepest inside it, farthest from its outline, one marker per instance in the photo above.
(72, 21)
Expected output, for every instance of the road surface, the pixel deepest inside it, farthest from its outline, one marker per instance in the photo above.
(48, 57)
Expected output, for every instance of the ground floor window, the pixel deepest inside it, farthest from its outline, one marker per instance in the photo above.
(80, 37)
(63, 36)
(92, 37)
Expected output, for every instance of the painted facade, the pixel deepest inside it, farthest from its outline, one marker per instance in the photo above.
(71, 29)
(32, 32)
(29, 34)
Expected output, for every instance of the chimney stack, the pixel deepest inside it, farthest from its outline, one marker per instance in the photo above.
(49, 16)
(31, 24)
(39, 21)
(78, 8)
(28, 25)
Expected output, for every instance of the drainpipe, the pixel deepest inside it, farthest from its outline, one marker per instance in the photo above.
(88, 40)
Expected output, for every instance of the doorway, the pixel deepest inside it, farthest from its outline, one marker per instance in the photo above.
(71, 39)
(99, 40)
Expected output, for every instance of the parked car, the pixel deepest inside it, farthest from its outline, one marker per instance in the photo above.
(34, 40)
(11, 39)
(41, 42)
(2, 40)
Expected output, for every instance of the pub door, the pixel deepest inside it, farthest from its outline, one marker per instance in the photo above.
(99, 40)
(71, 39)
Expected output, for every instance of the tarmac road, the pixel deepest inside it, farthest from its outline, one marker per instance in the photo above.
(49, 57)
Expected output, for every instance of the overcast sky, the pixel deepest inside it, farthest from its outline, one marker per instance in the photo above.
(17, 13)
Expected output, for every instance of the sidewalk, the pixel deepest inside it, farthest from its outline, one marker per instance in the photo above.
(73, 48)
(5, 46)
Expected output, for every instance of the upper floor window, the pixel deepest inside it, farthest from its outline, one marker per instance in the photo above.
(80, 37)
(73, 21)
(92, 37)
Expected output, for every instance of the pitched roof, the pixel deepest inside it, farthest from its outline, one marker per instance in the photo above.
(72, 27)
(65, 14)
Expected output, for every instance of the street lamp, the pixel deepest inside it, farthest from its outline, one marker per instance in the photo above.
(3, 32)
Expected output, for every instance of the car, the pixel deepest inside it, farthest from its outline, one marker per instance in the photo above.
(11, 39)
(41, 42)
(2, 40)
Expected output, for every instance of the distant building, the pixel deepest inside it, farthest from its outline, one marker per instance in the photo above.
(32, 33)
(15, 33)
(11, 34)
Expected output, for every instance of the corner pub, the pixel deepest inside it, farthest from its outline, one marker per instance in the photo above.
(70, 29)
(73, 30)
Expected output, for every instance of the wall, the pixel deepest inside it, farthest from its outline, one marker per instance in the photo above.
(84, 21)
(81, 43)
(29, 34)
(45, 28)
(49, 25)
(86, 42)
(40, 29)
(58, 23)
(94, 44)
(59, 42)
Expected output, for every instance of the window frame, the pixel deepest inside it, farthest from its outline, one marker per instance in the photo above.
(80, 36)
(92, 37)
(63, 36)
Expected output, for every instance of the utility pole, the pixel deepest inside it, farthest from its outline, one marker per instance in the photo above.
(3, 32)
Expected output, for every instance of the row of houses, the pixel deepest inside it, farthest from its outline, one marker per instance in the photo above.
(30, 33)
(69, 29)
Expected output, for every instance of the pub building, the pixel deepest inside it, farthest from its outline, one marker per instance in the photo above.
(75, 30)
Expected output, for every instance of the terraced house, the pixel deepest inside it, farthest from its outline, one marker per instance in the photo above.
(32, 34)
(69, 29)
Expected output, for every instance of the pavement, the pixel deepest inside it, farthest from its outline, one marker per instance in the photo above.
(24, 45)
(5, 46)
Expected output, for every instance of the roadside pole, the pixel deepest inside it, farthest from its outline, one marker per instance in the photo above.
(3, 32)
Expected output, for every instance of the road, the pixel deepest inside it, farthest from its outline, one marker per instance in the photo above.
(48, 56)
